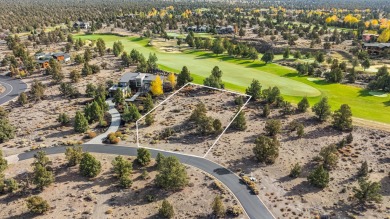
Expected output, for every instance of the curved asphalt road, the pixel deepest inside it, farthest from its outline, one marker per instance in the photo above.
(251, 203)
(13, 88)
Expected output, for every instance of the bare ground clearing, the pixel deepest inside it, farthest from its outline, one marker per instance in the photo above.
(73, 196)
(290, 198)
(175, 113)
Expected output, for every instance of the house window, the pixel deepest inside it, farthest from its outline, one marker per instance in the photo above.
(138, 84)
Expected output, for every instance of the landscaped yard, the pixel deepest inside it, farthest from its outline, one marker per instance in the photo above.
(238, 74)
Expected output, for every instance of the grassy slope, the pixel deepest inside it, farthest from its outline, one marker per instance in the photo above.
(239, 73)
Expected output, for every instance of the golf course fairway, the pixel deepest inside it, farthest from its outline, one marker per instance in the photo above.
(238, 74)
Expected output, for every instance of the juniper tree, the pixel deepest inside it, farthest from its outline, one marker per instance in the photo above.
(266, 149)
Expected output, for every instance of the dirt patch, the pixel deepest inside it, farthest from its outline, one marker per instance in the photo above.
(73, 196)
(289, 198)
(174, 114)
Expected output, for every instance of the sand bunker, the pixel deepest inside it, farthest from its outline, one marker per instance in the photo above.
(314, 79)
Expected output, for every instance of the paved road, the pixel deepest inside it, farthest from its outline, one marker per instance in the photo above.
(251, 203)
(13, 88)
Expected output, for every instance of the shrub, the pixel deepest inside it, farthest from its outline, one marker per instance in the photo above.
(239, 101)
(37, 205)
(63, 119)
(296, 170)
(218, 207)
(272, 127)
(73, 155)
(91, 134)
(23, 99)
(235, 210)
(166, 210)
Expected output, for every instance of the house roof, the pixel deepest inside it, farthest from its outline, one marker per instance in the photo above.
(132, 76)
(379, 45)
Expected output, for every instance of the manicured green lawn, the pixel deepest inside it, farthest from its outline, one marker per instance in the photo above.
(238, 74)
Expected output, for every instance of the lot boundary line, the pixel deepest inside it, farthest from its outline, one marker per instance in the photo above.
(174, 93)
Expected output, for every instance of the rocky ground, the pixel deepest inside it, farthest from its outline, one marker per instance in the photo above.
(74, 196)
(295, 198)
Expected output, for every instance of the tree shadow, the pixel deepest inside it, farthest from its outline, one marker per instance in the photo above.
(386, 103)
(23, 215)
(255, 65)
(364, 93)
(385, 186)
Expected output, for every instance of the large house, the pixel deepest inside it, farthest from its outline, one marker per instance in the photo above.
(81, 25)
(43, 58)
(376, 49)
(136, 83)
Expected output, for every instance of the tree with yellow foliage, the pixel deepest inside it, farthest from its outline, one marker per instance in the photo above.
(157, 86)
(172, 79)
(385, 36)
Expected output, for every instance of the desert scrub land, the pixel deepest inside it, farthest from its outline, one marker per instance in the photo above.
(36, 121)
(173, 129)
(75, 196)
(289, 197)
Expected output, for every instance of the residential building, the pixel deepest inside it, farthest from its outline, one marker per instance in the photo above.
(376, 49)
(136, 83)
(81, 25)
(43, 58)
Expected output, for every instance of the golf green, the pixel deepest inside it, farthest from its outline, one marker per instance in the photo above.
(238, 74)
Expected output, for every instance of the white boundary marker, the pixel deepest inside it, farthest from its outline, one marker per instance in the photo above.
(220, 135)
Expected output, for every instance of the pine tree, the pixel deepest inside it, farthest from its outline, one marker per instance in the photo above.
(172, 175)
(239, 122)
(101, 46)
(143, 156)
(322, 109)
(303, 105)
(266, 111)
(319, 177)
(184, 77)
(363, 170)
(342, 118)
(81, 123)
(42, 177)
(266, 149)
(148, 103)
(23, 99)
(130, 113)
(329, 155)
(89, 166)
(254, 90)
(368, 191)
